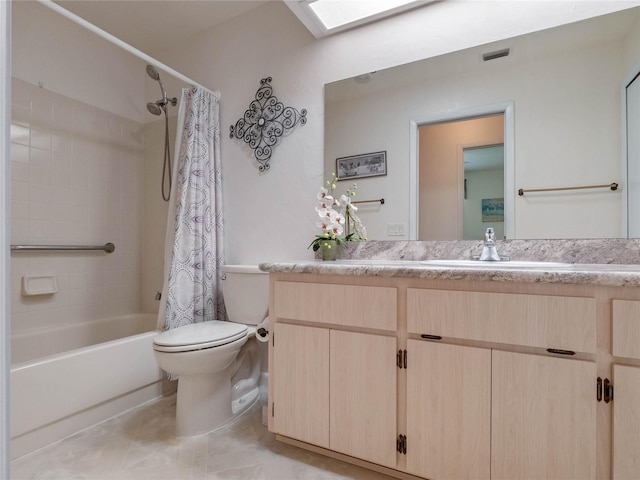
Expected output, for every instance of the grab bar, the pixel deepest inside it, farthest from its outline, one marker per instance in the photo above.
(379, 200)
(107, 247)
(522, 191)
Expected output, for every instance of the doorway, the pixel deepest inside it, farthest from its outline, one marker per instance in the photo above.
(437, 201)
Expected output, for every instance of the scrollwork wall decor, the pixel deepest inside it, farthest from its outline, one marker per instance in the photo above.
(264, 122)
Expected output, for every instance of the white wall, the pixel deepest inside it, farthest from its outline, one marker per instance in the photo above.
(68, 59)
(271, 216)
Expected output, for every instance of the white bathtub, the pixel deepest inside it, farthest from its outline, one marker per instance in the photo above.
(67, 379)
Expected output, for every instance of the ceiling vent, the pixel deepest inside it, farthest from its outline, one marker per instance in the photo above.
(497, 54)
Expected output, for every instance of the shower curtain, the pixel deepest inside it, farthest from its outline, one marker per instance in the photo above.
(194, 242)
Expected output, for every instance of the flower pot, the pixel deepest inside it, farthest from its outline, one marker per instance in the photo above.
(329, 249)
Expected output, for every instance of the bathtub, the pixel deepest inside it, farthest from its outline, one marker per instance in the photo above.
(67, 379)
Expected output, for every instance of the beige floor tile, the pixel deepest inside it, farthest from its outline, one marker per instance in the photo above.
(141, 445)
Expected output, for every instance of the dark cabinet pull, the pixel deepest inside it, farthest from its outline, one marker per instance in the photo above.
(561, 352)
(608, 391)
(599, 389)
(431, 337)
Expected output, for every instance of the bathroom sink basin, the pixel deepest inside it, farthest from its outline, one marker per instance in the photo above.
(508, 264)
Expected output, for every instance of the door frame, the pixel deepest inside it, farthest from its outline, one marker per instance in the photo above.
(634, 75)
(504, 108)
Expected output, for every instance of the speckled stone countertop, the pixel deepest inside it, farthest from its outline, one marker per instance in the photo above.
(611, 262)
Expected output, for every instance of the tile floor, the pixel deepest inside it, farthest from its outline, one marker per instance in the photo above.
(140, 444)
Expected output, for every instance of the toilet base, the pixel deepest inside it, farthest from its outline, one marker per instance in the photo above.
(204, 404)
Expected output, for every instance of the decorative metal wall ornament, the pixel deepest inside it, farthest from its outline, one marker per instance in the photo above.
(264, 122)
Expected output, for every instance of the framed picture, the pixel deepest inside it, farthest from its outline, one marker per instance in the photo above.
(493, 209)
(359, 166)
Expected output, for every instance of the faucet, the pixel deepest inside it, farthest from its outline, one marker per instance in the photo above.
(489, 252)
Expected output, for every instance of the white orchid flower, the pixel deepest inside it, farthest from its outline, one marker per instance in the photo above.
(329, 213)
(337, 229)
(322, 193)
(324, 224)
(339, 219)
(327, 202)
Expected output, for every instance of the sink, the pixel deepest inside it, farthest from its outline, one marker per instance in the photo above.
(509, 264)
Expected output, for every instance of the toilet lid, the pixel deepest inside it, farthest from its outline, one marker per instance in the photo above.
(197, 336)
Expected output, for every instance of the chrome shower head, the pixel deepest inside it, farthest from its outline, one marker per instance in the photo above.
(153, 73)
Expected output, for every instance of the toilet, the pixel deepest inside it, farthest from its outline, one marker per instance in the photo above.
(217, 363)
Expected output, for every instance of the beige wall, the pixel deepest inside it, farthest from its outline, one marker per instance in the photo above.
(441, 172)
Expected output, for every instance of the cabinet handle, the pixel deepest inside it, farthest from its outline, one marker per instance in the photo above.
(561, 352)
(399, 359)
(405, 358)
(608, 391)
(431, 337)
(599, 389)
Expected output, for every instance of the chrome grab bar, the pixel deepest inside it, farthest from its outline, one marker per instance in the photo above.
(107, 247)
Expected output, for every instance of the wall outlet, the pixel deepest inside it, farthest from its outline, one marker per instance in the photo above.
(395, 229)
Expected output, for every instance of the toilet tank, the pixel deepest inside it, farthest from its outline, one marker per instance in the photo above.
(246, 293)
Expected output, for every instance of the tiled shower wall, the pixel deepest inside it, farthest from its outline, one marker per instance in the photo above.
(76, 178)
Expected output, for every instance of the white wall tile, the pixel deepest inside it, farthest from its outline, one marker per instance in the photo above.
(19, 153)
(73, 187)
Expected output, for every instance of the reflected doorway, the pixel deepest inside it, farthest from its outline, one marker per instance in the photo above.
(446, 209)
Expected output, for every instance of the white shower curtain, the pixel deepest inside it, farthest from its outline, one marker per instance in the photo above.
(194, 242)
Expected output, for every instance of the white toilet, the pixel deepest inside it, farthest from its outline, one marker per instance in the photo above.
(208, 357)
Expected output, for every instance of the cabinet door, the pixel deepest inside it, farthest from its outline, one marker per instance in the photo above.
(626, 422)
(543, 417)
(363, 396)
(301, 383)
(448, 411)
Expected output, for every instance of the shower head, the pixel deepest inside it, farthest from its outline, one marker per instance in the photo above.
(154, 108)
(153, 73)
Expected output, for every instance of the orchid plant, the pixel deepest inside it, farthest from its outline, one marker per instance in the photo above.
(336, 216)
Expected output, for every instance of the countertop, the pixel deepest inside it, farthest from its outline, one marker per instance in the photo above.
(618, 275)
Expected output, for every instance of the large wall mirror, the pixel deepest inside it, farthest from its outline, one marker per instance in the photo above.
(561, 93)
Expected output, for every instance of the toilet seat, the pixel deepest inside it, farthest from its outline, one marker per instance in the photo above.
(198, 336)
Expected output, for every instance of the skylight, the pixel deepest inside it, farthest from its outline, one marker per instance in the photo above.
(324, 17)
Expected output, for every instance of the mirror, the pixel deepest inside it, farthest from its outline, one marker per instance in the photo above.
(565, 86)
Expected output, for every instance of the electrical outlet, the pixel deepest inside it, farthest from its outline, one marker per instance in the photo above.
(395, 229)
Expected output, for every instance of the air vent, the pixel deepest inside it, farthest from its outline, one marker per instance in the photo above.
(493, 55)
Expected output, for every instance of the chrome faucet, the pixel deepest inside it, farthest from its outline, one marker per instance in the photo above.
(489, 252)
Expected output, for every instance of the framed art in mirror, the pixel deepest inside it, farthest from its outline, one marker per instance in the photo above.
(359, 166)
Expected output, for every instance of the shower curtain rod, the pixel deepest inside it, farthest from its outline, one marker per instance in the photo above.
(116, 41)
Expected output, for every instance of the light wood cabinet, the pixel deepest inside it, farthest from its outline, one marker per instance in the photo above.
(456, 379)
(626, 423)
(336, 390)
(543, 417)
(542, 321)
(448, 411)
(301, 387)
(363, 396)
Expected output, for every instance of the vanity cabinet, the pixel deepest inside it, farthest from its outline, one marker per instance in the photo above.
(459, 379)
(542, 411)
(335, 388)
(362, 413)
(301, 390)
(543, 417)
(448, 411)
(626, 379)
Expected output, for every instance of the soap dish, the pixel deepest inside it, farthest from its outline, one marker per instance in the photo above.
(39, 285)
